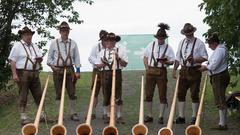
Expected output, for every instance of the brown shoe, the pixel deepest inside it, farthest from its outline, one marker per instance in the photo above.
(148, 119)
(25, 121)
(74, 117)
(93, 116)
(220, 127)
(49, 120)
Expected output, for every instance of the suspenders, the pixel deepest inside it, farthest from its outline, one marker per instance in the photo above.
(68, 55)
(152, 55)
(34, 65)
(104, 60)
(191, 54)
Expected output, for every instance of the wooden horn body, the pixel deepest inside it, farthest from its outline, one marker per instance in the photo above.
(60, 129)
(195, 129)
(111, 129)
(168, 130)
(85, 128)
(140, 128)
(32, 128)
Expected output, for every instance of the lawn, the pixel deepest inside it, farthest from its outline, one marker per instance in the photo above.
(10, 119)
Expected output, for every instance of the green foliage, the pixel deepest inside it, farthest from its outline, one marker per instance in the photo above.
(223, 16)
(40, 15)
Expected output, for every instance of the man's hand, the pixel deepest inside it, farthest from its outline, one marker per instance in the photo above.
(100, 65)
(39, 59)
(77, 75)
(15, 77)
(203, 68)
(174, 75)
(190, 59)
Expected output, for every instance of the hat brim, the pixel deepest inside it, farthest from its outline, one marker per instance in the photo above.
(188, 33)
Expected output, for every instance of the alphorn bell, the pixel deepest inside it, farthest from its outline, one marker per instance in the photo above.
(32, 128)
(60, 129)
(140, 128)
(85, 128)
(168, 130)
(111, 129)
(195, 129)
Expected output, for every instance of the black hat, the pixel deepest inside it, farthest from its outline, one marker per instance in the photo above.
(25, 30)
(64, 25)
(102, 34)
(213, 37)
(111, 36)
(162, 30)
(188, 29)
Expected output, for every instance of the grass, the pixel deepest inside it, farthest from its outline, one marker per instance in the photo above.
(10, 119)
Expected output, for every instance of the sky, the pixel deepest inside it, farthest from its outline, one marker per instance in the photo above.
(125, 17)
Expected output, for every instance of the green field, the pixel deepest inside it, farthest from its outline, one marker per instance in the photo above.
(10, 119)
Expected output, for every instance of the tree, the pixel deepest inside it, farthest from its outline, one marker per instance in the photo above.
(40, 15)
(223, 16)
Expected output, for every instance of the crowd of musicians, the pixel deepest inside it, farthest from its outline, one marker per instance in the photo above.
(26, 57)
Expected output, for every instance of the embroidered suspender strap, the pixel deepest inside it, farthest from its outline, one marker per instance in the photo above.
(69, 54)
(28, 59)
(59, 54)
(152, 55)
(117, 61)
(99, 47)
(191, 54)
(181, 56)
(164, 53)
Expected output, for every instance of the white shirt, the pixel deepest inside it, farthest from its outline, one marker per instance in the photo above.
(218, 60)
(109, 56)
(19, 55)
(63, 47)
(94, 53)
(199, 51)
(158, 52)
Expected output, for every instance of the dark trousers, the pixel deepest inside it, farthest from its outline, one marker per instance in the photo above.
(29, 81)
(190, 77)
(156, 76)
(70, 85)
(98, 85)
(107, 87)
(219, 83)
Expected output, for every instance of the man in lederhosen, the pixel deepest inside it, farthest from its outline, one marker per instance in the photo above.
(106, 59)
(219, 76)
(63, 53)
(96, 68)
(191, 53)
(157, 56)
(25, 58)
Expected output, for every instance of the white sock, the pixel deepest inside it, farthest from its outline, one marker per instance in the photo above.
(23, 116)
(222, 117)
(105, 110)
(149, 105)
(161, 110)
(119, 110)
(181, 109)
(194, 109)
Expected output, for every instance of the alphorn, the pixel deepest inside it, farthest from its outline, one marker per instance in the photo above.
(140, 128)
(111, 129)
(86, 128)
(168, 130)
(32, 128)
(60, 129)
(195, 129)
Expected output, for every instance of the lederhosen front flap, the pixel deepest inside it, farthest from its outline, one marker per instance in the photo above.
(34, 64)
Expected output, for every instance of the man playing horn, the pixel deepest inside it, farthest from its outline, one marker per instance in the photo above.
(25, 58)
(63, 53)
(96, 68)
(219, 76)
(191, 53)
(105, 59)
(157, 56)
